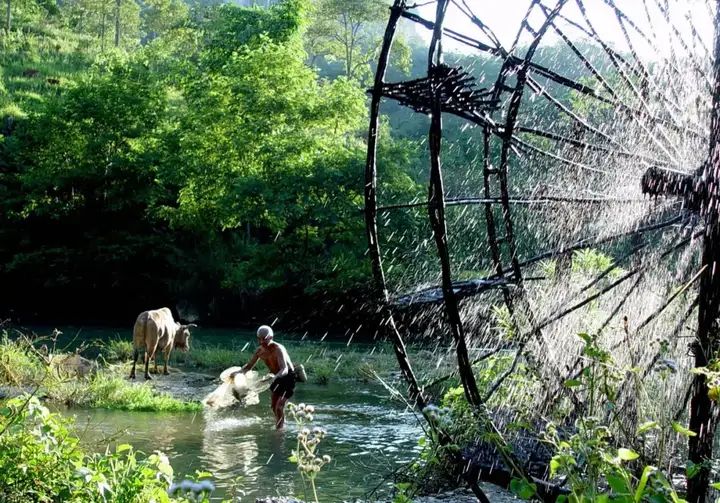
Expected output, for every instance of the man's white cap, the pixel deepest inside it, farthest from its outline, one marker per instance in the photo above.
(265, 333)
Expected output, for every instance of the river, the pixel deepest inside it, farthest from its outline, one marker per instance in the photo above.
(369, 436)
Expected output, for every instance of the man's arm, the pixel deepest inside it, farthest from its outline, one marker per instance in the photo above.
(249, 365)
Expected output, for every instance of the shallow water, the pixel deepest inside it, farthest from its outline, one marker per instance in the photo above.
(368, 438)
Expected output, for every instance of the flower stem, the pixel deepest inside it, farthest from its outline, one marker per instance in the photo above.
(312, 483)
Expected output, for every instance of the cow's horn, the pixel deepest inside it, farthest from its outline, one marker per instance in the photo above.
(192, 325)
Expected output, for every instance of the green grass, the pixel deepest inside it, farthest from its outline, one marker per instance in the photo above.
(323, 362)
(31, 57)
(109, 391)
(116, 350)
(114, 392)
(21, 366)
(209, 357)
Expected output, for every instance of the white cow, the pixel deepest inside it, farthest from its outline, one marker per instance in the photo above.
(156, 330)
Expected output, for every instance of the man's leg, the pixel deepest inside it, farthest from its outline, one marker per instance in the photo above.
(273, 404)
(280, 411)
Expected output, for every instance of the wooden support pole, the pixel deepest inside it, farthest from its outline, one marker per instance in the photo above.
(703, 411)
(381, 295)
(436, 212)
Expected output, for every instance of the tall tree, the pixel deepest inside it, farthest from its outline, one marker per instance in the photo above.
(97, 17)
(117, 23)
(268, 151)
(159, 16)
(350, 32)
(87, 181)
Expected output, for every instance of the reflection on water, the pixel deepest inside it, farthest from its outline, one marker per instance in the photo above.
(367, 439)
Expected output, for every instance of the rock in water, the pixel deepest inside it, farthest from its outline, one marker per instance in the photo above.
(72, 365)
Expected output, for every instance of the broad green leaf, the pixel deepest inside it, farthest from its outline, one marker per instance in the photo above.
(554, 465)
(572, 383)
(682, 430)
(640, 491)
(522, 488)
(714, 393)
(692, 469)
(585, 337)
(627, 454)
(618, 484)
(647, 426)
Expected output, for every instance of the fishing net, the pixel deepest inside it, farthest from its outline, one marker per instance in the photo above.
(237, 388)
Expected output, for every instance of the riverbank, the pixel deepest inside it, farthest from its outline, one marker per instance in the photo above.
(368, 428)
(90, 368)
(326, 358)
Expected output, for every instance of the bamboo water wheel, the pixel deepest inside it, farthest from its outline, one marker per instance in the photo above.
(614, 148)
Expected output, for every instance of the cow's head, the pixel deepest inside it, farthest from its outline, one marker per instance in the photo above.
(182, 337)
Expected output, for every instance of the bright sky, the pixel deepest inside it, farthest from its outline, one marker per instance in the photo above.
(504, 17)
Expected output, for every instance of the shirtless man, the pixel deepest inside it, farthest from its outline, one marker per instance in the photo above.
(278, 361)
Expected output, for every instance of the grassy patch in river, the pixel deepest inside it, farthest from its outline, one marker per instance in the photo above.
(69, 379)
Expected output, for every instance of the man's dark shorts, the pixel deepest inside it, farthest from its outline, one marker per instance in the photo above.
(284, 386)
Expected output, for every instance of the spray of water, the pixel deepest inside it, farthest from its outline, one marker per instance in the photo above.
(550, 230)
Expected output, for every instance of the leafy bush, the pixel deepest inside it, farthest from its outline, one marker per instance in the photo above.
(321, 372)
(117, 350)
(37, 454)
(595, 470)
(19, 365)
(40, 460)
(594, 465)
(591, 261)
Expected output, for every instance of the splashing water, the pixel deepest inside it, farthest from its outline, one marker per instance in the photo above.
(543, 159)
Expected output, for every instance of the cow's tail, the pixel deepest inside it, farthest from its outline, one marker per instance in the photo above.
(136, 346)
(145, 335)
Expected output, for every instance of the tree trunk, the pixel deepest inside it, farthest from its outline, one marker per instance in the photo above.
(102, 32)
(117, 23)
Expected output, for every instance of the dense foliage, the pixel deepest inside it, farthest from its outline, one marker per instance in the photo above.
(201, 159)
(213, 158)
(41, 460)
